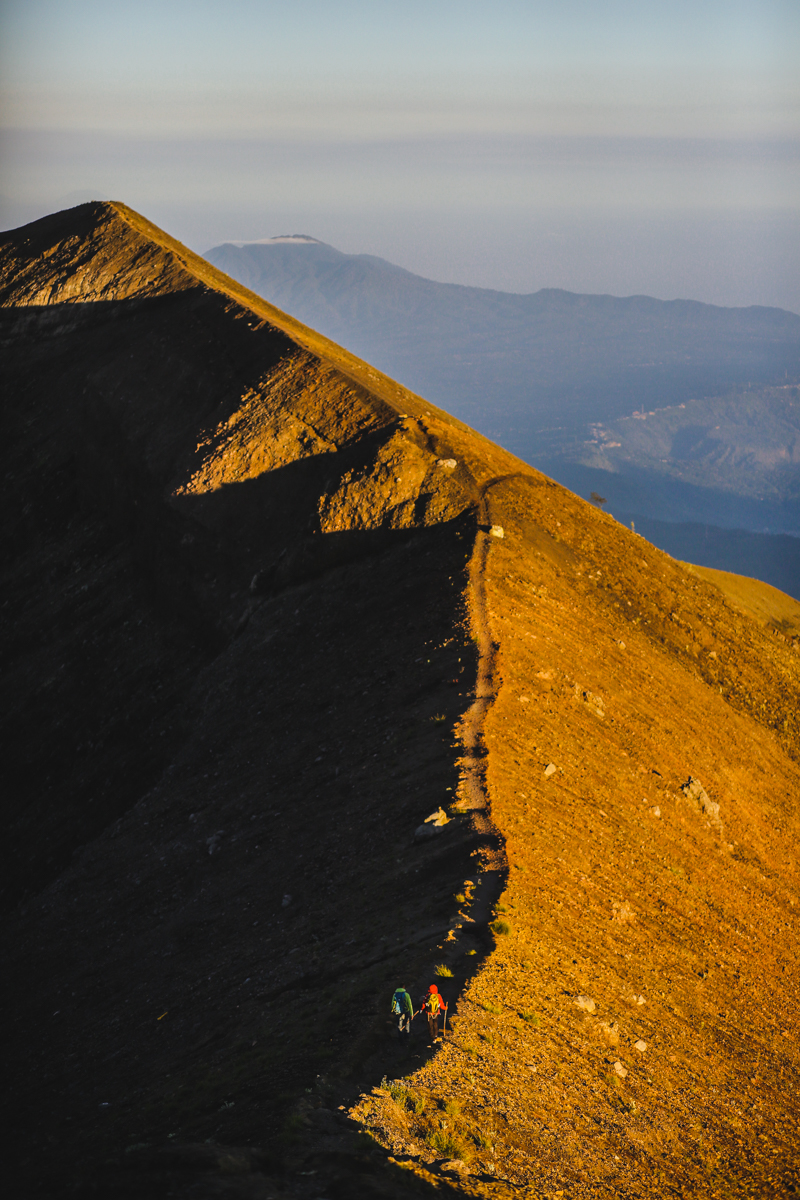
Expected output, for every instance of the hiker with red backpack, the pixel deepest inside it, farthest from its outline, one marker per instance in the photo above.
(433, 1005)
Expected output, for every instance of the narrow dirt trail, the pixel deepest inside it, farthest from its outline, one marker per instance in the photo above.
(472, 792)
(473, 796)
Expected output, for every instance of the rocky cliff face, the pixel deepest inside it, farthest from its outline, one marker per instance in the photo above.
(266, 613)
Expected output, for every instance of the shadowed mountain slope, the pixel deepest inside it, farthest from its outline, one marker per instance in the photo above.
(267, 612)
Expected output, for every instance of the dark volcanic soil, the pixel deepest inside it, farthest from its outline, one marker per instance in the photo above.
(229, 706)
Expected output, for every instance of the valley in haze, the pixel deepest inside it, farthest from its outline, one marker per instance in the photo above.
(677, 413)
(312, 691)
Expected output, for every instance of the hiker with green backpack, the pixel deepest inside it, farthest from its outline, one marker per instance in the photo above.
(403, 1009)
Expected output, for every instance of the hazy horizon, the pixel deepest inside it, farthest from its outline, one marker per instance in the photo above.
(623, 150)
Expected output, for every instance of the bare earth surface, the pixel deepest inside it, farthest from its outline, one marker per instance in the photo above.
(266, 613)
(767, 604)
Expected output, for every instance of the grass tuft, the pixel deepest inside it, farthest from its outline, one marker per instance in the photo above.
(446, 1143)
(531, 1017)
(443, 971)
(399, 1094)
(500, 927)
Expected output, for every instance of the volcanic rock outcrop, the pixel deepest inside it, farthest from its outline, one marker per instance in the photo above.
(261, 627)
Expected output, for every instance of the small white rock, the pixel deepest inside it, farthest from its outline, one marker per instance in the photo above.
(640, 1046)
(455, 1165)
(655, 811)
(497, 531)
(586, 1003)
(620, 1070)
(640, 999)
(449, 464)
(550, 769)
(439, 817)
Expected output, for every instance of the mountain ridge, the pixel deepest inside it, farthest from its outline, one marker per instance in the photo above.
(299, 239)
(541, 373)
(312, 691)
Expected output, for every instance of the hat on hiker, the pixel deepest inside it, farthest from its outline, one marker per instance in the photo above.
(433, 988)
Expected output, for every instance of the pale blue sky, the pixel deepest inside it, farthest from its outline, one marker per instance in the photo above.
(450, 137)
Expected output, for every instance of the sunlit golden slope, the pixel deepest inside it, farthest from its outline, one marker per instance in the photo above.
(766, 603)
(631, 1031)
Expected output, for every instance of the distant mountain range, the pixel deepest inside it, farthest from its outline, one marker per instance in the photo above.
(604, 394)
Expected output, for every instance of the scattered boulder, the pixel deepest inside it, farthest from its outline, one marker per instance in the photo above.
(655, 811)
(640, 1046)
(497, 531)
(550, 769)
(609, 1032)
(595, 703)
(214, 840)
(449, 464)
(693, 790)
(622, 913)
(439, 817)
(432, 825)
(620, 1070)
(586, 1003)
(423, 832)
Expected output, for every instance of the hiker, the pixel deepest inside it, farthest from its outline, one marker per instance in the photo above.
(433, 1005)
(403, 1009)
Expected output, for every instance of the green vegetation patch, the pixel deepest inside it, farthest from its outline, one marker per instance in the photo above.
(447, 1143)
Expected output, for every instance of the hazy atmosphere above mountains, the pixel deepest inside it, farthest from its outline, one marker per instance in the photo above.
(623, 148)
